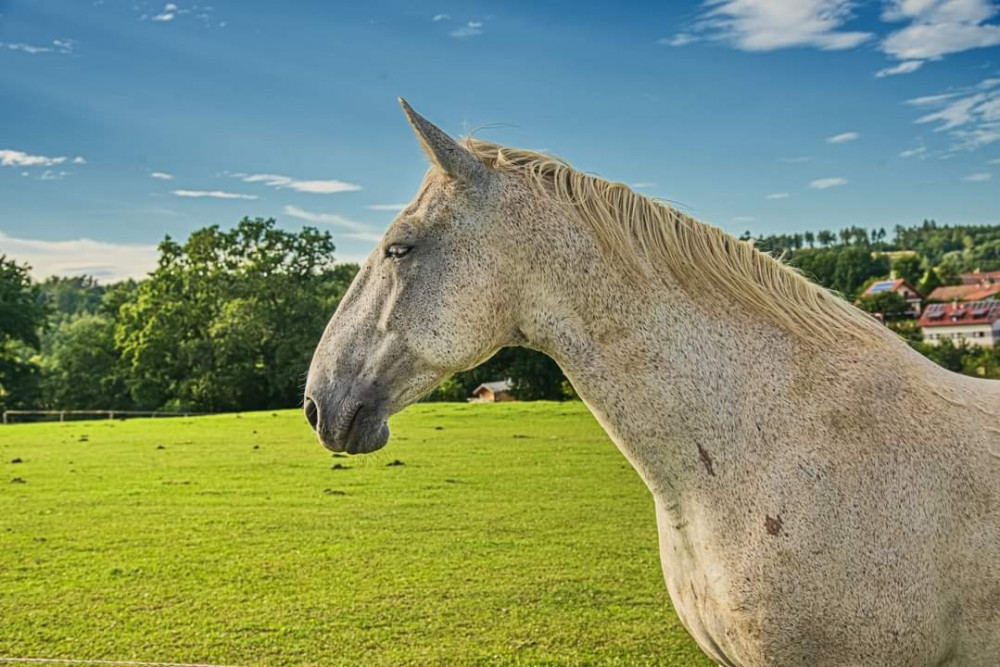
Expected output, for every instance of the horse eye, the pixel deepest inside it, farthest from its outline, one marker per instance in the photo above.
(397, 250)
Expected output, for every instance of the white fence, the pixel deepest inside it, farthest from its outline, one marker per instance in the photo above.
(9, 416)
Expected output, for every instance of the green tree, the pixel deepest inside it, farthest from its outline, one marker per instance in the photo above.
(229, 319)
(929, 282)
(534, 377)
(984, 256)
(115, 296)
(855, 265)
(81, 368)
(950, 269)
(22, 307)
(889, 304)
(452, 390)
(984, 362)
(907, 328)
(946, 353)
(22, 317)
(72, 296)
(908, 267)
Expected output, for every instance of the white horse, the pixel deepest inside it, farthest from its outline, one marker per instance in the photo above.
(825, 496)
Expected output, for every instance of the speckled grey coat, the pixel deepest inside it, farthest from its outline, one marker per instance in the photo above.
(816, 506)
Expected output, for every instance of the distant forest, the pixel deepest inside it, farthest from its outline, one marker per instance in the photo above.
(228, 320)
(849, 260)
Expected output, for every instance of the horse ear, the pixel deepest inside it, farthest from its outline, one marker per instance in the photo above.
(442, 150)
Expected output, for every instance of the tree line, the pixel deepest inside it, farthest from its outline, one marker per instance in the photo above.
(228, 319)
(927, 255)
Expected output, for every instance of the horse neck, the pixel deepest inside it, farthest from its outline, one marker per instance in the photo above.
(671, 378)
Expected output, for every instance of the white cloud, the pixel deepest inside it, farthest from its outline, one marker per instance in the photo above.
(794, 160)
(325, 218)
(107, 261)
(169, 13)
(970, 116)
(905, 67)
(938, 10)
(913, 152)
(935, 41)
(641, 185)
(212, 194)
(357, 230)
(162, 175)
(956, 113)
(997, 161)
(930, 100)
(937, 28)
(766, 25)
(470, 29)
(827, 183)
(285, 182)
(49, 175)
(744, 218)
(25, 48)
(976, 137)
(441, 17)
(13, 158)
(60, 46)
(843, 138)
(386, 207)
(774, 196)
(173, 11)
(981, 177)
(680, 39)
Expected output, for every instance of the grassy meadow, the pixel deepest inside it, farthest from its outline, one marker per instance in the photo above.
(483, 534)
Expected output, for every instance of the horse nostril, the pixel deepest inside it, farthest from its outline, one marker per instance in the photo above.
(312, 413)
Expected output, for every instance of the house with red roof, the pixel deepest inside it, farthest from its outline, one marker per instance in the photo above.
(976, 286)
(981, 278)
(904, 289)
(966, 292)
(976, 322)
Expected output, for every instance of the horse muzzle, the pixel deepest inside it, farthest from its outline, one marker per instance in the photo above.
(356, 425)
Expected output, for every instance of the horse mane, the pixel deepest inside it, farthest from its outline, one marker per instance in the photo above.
(645, 236)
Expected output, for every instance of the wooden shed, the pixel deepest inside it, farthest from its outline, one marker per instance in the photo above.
(492, 392)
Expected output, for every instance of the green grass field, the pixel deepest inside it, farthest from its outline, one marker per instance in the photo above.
(510, 534)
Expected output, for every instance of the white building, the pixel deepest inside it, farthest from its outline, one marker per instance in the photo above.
(977, 322)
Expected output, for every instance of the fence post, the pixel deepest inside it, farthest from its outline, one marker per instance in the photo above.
(62, 415)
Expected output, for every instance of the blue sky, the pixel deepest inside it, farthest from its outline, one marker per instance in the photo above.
(124, 121)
